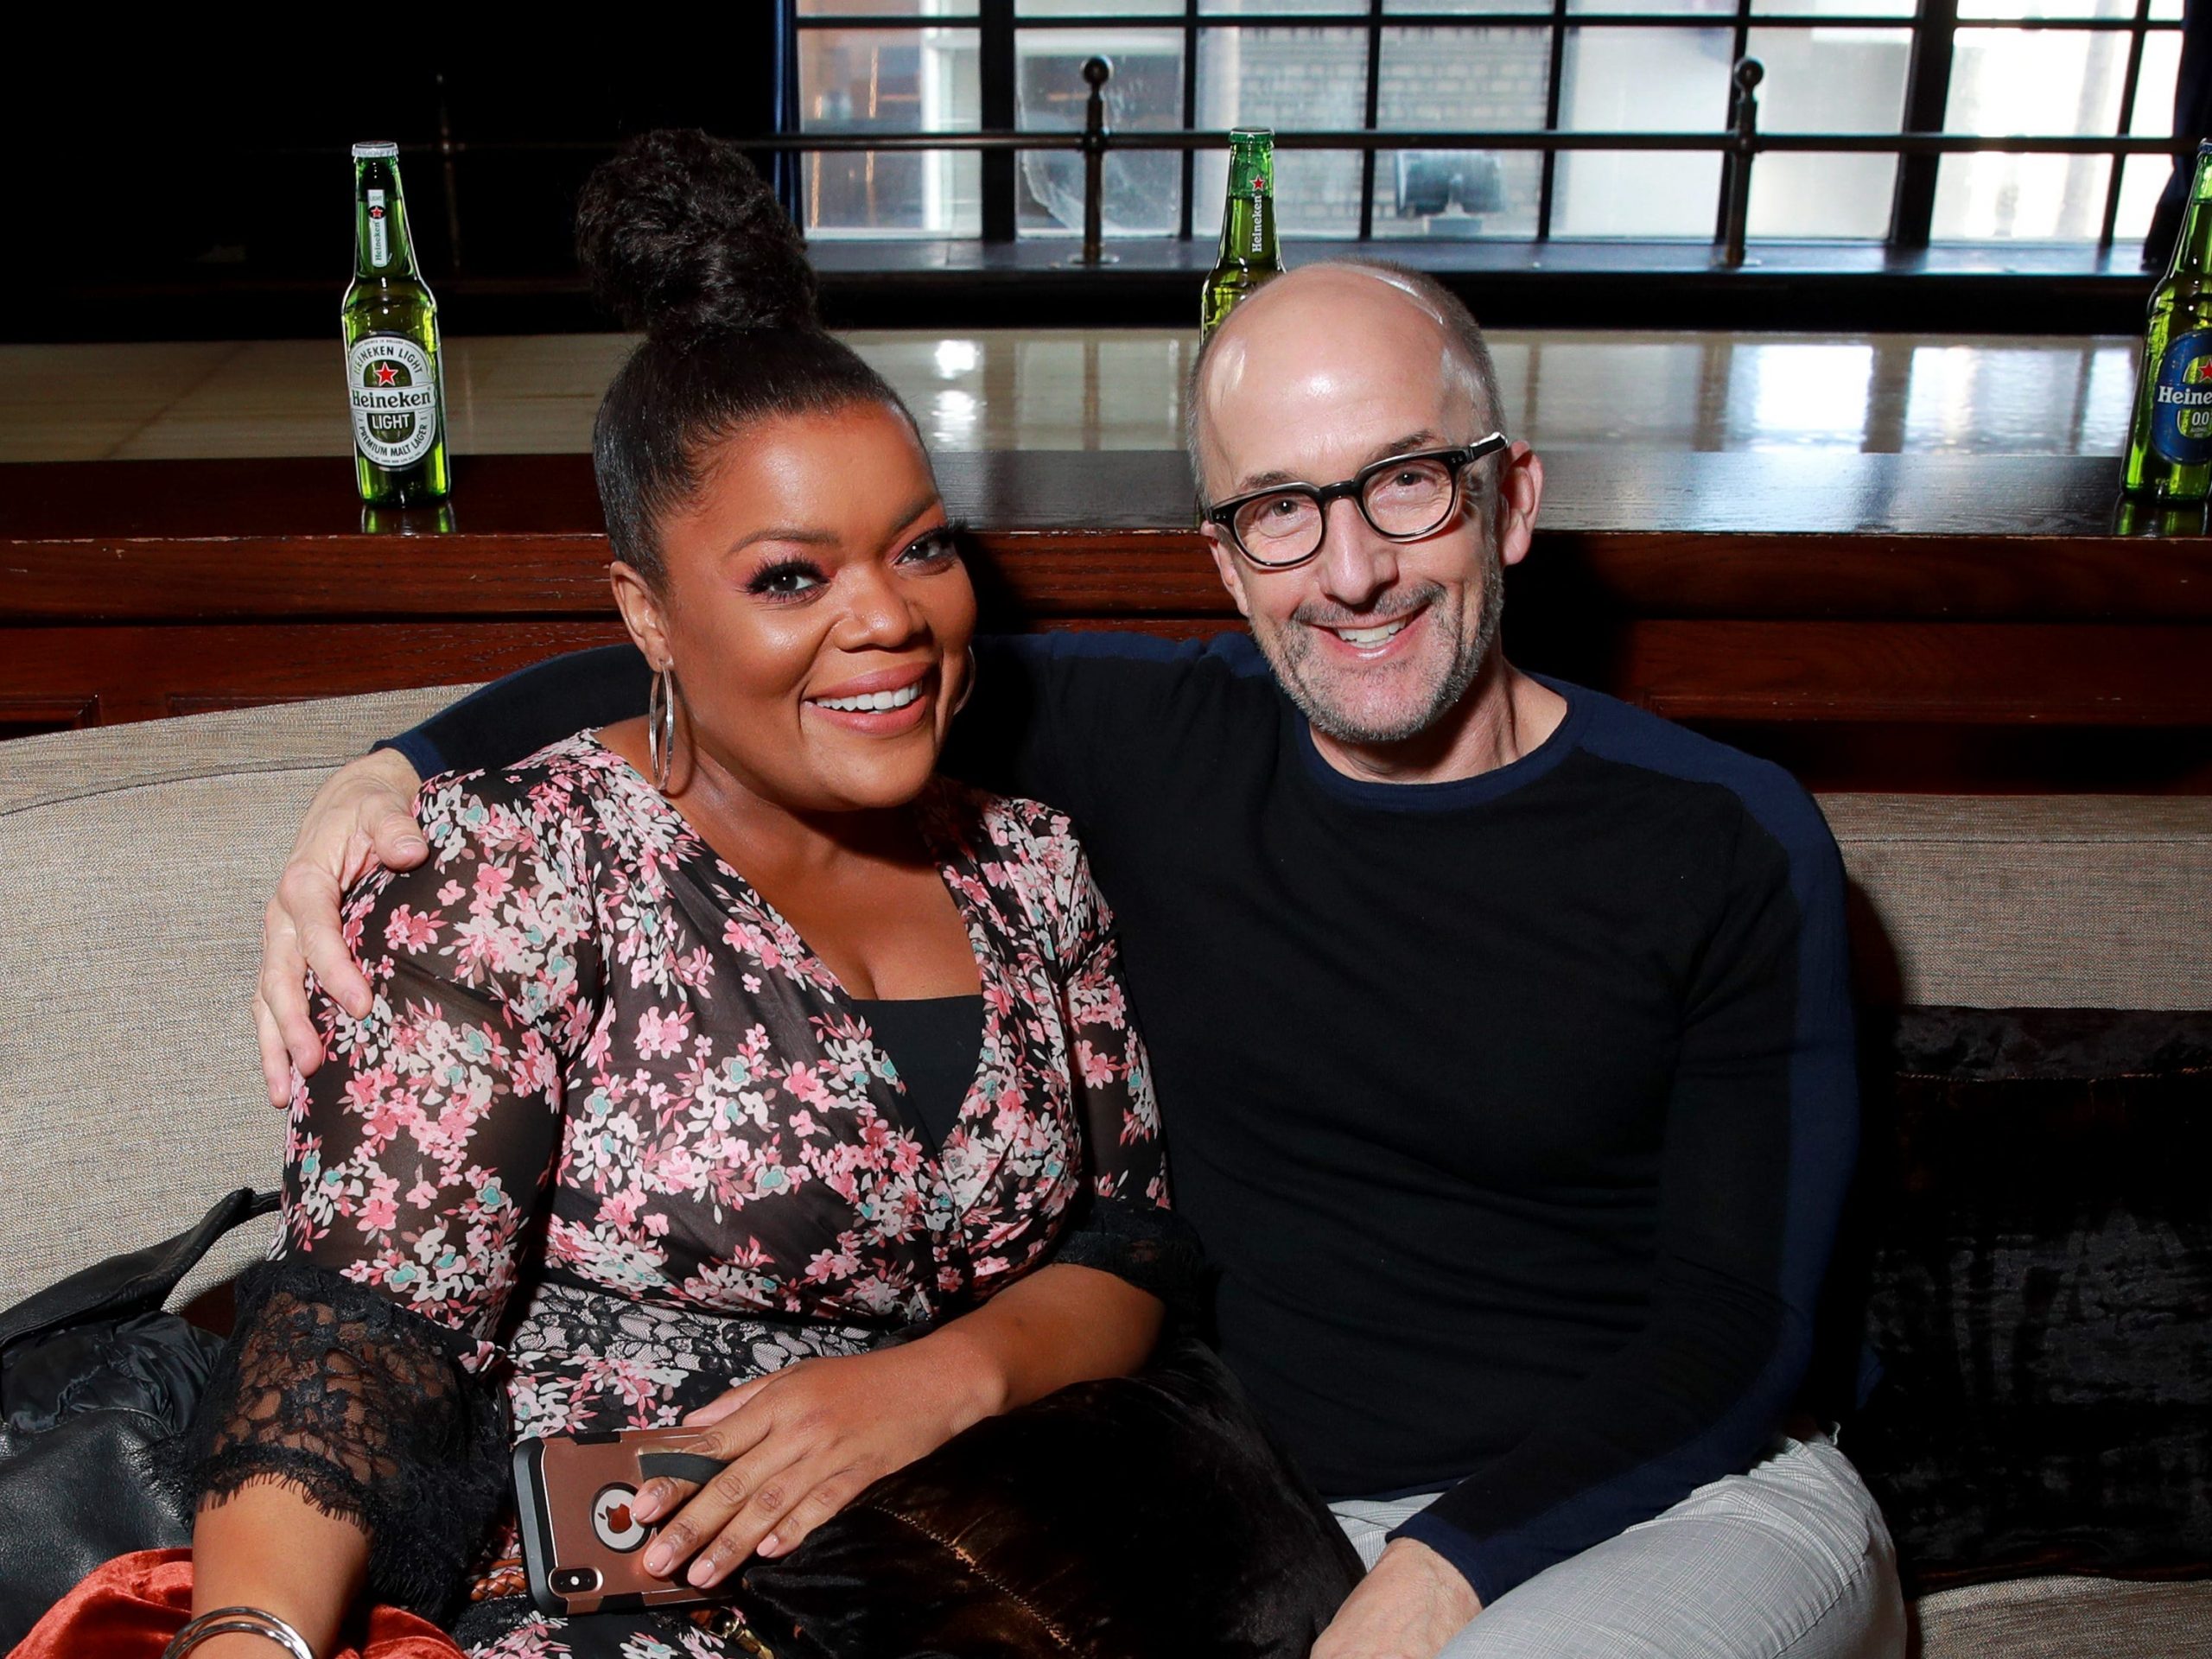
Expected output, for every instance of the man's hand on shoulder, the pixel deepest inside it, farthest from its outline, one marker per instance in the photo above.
(363, 817)
(1408, 1607)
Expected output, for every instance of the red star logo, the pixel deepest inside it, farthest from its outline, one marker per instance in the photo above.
(375, 213)
(386, 375)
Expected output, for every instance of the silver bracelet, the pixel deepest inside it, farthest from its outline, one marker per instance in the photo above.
(225, 1621)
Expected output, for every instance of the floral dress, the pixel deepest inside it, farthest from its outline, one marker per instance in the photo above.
(613, 1138)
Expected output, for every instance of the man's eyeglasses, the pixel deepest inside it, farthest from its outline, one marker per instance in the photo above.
(1404, 497)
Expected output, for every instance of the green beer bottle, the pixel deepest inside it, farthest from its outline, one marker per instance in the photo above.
(1248, 256)
(391, 328)
(2170, 448)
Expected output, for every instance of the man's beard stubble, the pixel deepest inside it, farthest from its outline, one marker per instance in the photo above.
(1290, 650)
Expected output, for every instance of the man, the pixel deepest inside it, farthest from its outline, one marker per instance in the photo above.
(1501, 1029)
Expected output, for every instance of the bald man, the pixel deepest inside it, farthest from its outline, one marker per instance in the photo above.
(1501, 1029)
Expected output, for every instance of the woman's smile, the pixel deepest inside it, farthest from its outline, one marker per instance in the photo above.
(883, 704)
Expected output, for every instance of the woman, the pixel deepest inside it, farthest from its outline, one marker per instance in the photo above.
(708, 1051)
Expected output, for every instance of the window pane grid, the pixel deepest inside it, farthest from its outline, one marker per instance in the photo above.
(1317, 66)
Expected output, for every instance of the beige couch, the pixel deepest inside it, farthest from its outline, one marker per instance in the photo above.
(135, 861)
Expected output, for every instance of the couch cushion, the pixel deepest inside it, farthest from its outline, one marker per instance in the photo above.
(135, 862)
(2066, 1619)
(2089, 901)
(2042, 1276)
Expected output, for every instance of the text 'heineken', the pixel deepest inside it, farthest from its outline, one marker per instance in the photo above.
(2170, 448)
(391, 328)
(1248, 226)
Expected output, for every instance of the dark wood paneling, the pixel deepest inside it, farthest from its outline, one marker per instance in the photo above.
(139, 672)
(1992, 674)
(1070, 534)
(30, 715)
(1880, 621)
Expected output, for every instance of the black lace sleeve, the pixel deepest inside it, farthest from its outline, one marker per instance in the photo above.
(366, 1410)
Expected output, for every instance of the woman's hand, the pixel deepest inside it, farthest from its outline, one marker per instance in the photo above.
(804, 1441)
(363, 816)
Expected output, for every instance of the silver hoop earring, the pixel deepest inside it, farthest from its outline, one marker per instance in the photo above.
(968, 688)
(660, 727)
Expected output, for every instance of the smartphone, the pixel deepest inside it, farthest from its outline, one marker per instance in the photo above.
(582, 1548)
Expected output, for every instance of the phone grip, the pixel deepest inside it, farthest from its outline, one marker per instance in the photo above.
(694, 1466)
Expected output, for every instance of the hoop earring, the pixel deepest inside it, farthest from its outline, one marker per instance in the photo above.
(968, 688)
(660, 727)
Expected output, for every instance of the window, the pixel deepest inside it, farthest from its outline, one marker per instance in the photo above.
(2069, 69)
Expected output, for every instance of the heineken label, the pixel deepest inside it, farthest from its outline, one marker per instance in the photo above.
(395, 393)
(379, 231)
(2181, 407)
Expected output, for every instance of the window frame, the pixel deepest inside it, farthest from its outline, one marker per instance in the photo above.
(1933, 28)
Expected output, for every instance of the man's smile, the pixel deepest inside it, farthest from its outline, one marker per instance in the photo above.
(1368, 642)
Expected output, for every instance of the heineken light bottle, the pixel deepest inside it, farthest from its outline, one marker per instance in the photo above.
(1248, 226)
(391, 328)
(2170, 448)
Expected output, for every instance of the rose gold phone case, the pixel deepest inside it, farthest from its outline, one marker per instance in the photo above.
(583, 1550)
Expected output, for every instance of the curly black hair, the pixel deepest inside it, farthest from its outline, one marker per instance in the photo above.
(680, 237)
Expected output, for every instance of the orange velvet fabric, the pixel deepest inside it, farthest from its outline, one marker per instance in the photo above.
(129, 1608)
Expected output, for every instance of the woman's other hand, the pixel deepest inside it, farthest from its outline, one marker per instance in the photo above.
(363, 817)
(802, 1442)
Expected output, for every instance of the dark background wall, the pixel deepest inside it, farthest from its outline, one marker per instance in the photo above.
(182, 192)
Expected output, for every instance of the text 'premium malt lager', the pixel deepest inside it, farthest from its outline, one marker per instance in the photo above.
(391, 328)
(1248, 256)
(2170, 448)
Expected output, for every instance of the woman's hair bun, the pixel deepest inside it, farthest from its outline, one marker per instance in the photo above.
(682, 238)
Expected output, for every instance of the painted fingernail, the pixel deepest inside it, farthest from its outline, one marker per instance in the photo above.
(657, 1559)
(771, 1545)
(702, 1573)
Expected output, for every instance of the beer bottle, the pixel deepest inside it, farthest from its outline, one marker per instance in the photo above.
(390, 323)
(1248, 256)
(2170, 448)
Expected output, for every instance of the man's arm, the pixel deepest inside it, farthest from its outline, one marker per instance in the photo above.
(1761, 1135)
(497, 725)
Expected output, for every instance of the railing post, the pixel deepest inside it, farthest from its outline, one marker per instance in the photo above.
(447, 150)
(1097, 72)
(1735, 176)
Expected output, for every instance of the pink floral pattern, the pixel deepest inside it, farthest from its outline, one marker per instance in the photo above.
(595, 1053)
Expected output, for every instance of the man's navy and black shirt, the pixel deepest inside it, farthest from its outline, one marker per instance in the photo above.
(1515, 1112)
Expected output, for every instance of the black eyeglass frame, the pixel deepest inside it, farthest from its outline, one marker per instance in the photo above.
(1455, 459)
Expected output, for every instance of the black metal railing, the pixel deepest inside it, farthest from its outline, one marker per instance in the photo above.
(1740, 145)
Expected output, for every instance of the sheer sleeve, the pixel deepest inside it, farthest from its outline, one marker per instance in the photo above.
(1126, 1226)
(361, 1367)
(370, 1412)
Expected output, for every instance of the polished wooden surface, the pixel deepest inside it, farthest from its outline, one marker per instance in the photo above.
(1861, 617)
(1004, 388)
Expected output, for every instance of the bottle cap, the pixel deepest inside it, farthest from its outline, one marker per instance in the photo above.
(1251, 135)
(377, 152)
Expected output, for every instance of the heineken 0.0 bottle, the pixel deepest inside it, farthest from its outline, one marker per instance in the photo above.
(391, 328)
(2170, 448)
(1248, 256)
